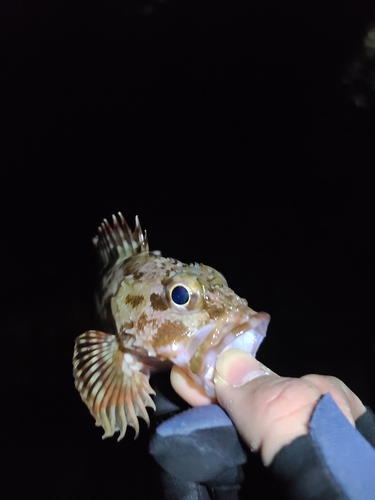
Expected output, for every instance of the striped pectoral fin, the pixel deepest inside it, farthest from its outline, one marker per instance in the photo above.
(110, 383)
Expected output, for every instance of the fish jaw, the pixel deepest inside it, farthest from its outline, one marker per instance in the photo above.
(247, 339)
(197, 355)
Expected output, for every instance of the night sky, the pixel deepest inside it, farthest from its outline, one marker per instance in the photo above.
(235, 133)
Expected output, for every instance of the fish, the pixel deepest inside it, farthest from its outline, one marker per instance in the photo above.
(155, 312)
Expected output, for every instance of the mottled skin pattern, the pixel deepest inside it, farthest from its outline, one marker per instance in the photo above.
(149, 328)
(154, 318)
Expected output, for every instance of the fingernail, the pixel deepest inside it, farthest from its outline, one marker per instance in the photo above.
(235, 367)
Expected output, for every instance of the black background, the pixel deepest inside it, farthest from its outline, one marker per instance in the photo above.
(226, 126)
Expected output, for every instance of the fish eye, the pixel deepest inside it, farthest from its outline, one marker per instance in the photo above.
(184, 293)
(180, 295)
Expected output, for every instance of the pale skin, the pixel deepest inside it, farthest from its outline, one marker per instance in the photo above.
(268, 411)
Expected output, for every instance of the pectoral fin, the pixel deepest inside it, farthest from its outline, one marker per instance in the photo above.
(110, 383)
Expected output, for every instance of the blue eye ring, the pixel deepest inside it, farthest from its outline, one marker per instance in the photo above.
(180, 295)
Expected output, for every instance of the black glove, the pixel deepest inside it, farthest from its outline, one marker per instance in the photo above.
(199, 452)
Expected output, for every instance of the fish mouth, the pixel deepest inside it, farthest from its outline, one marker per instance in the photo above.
(239, 330)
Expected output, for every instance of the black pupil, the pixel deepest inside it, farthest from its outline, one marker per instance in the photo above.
(180, 295)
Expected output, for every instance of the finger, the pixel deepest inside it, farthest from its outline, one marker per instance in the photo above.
(269, 411)
(187, 388)
(350, 404)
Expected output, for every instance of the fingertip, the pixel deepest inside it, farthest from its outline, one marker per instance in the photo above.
(188, 389)
(235, 367)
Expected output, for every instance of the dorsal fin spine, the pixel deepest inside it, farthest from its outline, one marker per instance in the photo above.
(118, 242)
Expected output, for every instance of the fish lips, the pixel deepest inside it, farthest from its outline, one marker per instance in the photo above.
(240, 330)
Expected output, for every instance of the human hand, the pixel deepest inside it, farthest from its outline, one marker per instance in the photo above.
(268, 411)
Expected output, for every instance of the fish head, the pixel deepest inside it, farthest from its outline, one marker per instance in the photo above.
(203, 318)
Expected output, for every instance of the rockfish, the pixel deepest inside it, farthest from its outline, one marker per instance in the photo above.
(156, 312)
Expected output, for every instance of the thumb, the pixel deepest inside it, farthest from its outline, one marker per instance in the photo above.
(236, 367)
(268, 411)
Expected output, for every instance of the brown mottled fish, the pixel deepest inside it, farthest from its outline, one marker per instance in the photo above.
(156, 312)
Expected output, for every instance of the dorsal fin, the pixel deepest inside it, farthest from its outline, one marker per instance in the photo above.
(118, 242)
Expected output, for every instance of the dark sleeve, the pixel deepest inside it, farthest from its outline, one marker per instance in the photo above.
(366, 426)
(335, 461)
